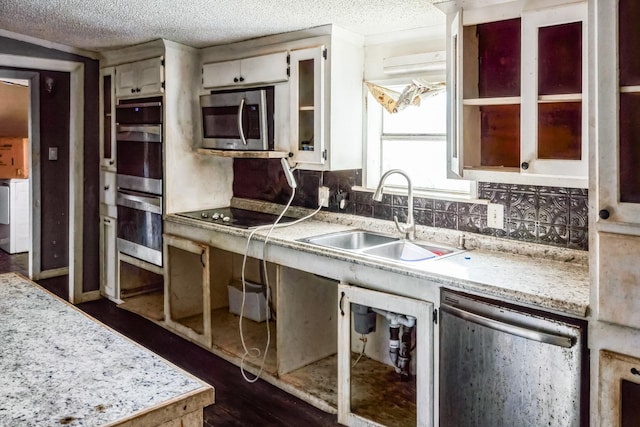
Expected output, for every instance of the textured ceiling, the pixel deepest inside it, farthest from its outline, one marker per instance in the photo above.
(97, 25)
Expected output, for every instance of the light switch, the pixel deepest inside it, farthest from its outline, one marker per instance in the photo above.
(53, 153)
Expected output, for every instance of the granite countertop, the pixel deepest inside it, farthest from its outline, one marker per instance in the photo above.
(539, 276)
(60, 367)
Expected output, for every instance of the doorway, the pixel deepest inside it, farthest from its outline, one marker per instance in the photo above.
(15, 238)
(31, 69)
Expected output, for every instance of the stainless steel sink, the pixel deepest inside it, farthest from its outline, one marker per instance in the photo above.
(407, 251)
(351, 240)
(382, 246)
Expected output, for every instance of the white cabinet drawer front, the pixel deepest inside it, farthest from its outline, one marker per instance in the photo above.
(618, 283)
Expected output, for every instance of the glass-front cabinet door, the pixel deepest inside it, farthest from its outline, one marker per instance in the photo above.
(554, 79)
(307, 105)
(618, 109)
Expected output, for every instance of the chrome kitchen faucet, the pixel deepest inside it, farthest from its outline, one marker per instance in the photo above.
(409, 229)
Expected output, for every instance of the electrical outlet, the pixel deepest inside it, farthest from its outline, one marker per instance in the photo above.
(323, 197)
(495, 216)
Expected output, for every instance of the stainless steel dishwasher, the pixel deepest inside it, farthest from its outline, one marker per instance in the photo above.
(502, 365)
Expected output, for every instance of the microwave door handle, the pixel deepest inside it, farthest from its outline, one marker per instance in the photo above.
(240, 131)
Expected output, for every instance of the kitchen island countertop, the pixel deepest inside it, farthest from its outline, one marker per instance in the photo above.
(59, 367)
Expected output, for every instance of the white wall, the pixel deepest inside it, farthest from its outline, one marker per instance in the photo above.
(402, 43)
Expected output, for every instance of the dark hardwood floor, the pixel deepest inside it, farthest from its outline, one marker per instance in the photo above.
(237, 403)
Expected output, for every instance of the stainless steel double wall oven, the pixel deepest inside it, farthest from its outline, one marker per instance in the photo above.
(140, 178)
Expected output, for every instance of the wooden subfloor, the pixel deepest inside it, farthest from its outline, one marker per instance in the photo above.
(238, 403)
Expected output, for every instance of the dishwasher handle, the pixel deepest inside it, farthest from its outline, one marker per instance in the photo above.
(543, 337)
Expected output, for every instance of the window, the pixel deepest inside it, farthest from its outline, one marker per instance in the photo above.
(414, 140)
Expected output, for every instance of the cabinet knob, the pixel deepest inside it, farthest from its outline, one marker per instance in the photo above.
(137, 89)
(133, 90)
(634, 371)
(235, 80)
(603, 214)
(106, 187)
(241, 79)
(111, 162)
(524, 165)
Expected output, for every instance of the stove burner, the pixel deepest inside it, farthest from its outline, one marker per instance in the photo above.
(235, 217)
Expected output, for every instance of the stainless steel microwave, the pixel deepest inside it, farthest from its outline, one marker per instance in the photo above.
(238, 119)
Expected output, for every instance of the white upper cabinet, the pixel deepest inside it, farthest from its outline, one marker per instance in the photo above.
(142, 78)
(618, 106)
(307, 106)
(518, 93)
(326, 94)
(318, 92)
(261, 69)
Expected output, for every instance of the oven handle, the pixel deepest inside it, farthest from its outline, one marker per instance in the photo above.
(140, 105)
(138, 201)
(140, 133)
(240, 111)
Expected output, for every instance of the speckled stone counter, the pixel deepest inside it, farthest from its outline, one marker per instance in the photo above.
(537, 276)
(60, 367)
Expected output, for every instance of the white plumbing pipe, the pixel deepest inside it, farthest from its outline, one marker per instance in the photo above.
(396, 319)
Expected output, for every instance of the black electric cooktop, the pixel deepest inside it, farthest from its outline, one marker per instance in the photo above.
(235, 217)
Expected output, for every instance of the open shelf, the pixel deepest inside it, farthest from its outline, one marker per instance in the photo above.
(319, 380)
(225, 334)
(150, 306)
(141, 288)
(378, 393)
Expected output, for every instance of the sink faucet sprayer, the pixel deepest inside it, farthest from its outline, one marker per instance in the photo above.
(409, 229)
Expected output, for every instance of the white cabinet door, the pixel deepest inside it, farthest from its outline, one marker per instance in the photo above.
(220, 74)
(454, 83)
(618, 272)
(150, 76)
(307, 91)
(108, 187)
(107, 119)
(264, 69)
(326, 103)
(367, 386)
(126, 80)
(140, 78)
(187, 295)
(108, 258)
(616, 132)
(261, 69)
(619, 392)
(564, 103)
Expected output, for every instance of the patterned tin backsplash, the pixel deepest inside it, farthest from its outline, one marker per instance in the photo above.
(554, 216)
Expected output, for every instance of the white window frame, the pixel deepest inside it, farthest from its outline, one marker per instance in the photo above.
(373, 152)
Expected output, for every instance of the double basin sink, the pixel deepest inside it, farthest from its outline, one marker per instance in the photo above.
(382, 246)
